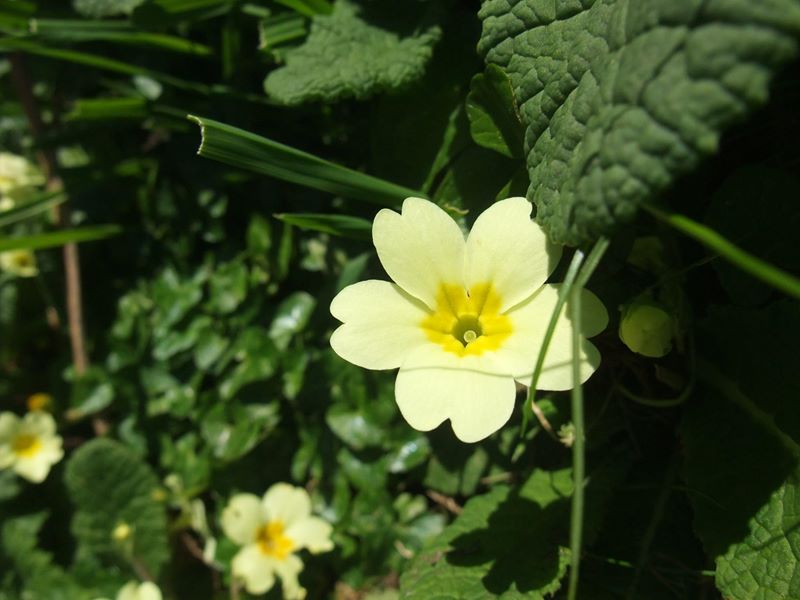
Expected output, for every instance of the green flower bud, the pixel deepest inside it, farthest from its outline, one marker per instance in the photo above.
(647, 329)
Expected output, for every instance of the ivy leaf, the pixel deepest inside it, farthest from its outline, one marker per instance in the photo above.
(357, 51)
(621, 98)
(493, 118)
(110, 486)
(291, 318)
(502, 545)
(747, 505)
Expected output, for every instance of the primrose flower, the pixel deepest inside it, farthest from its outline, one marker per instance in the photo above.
(29, 445)
(464, 319)
(138, 591)
(270, 530)
(17, 172)
(21, 263)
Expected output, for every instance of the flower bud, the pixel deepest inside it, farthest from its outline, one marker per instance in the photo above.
(647, 329)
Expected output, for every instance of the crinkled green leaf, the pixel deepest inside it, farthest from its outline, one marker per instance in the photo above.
(110, 485)
(358, 50)
(501, 545)
(105, 8)
(747, 500)
(620, 97)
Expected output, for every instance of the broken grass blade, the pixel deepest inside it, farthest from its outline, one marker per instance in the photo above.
(245, 150)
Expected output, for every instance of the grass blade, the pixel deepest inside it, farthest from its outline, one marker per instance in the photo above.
(41, 203)
(245, 150)
(40, 241)
(341, 225)
(769, 274)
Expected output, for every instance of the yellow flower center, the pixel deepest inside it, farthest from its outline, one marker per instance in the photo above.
(39, 401)
(467, 322)
(26, 445)
(23, 260)
(272, 542)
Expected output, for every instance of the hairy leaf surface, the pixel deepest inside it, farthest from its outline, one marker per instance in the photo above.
(620, 98)
(357, 51)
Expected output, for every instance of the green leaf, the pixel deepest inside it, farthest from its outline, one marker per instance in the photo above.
(246, 150)
(621, 98)
(279, 29)
(257, 358)
(110, 485)
(493, 118)
(501, 545)
(308, 8)
(39, 241)
(341, 225)
(41, 576)
(354, 428)
(357, 51)
(228, 287)
(118, 32)
(291, 318)
(748, 407)
(105, 8)
(232, 432)
(105, 109)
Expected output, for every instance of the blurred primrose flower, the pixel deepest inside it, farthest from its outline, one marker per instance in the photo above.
(647, 328)
(21, 263)
(271, 530)
(463, 320)
(17, 172)
(138, 591)
(29, 445)
(40, 401)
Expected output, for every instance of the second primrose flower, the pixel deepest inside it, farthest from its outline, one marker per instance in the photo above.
(464, 319)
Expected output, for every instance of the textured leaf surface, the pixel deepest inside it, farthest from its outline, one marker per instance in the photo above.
(501, 545)
(492, 111)
(747, 501)
(110, 485)
(356, 51)
(620, 97)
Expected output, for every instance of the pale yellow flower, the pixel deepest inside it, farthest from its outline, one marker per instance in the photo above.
(21, 263)
(29, 445)
(464, 318)
(6, 203)
(17, 172)
(271, 530)
(139, 591)
(134, 590)
(647, 329)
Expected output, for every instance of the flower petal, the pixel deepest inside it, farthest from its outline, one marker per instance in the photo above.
(242, 518)
(312, 533)
(466, 391)
(381, 324)
(529, 321)
(420, 249)
(508, 250)
(288, 570)
(34, 469)
(9, 423)
(286, 503)
(255, 568)
(38, 423)
(129, 591)
(149, 591)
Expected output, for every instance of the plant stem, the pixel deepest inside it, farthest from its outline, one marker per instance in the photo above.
(578, 447)
(49, 165)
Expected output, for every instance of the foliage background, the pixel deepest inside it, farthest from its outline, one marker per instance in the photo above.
(206, 315)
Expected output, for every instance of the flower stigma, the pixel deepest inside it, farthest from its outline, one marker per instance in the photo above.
(272, 542)
(467, 322)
